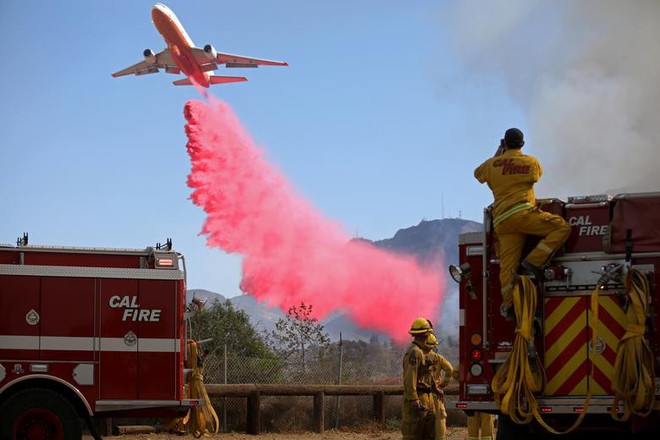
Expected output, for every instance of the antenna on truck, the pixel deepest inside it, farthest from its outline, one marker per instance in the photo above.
(22, 241)
(167, 246)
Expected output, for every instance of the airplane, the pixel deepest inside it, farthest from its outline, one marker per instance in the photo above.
(181, 55)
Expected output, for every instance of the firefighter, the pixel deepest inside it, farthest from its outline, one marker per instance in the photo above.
(439, 364)
(511, 176)
(418, 413)
(480, 426)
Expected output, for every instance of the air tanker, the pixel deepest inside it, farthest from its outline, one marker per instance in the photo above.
(182, 56)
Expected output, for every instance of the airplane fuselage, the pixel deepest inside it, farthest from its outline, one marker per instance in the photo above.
(179, 43)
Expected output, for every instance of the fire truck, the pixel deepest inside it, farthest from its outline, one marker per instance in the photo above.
(88, 333)
(588, 360)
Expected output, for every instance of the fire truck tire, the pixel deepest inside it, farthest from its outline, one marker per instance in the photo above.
(39, 413)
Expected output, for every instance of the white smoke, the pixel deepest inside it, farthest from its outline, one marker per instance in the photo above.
(449, 322)
(585, 73)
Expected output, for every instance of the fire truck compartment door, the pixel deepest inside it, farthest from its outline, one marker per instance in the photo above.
(570, 350)
(20, 323)
(158, 344)
(68, 319)
(118, 342)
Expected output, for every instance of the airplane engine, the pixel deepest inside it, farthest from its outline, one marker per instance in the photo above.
(149, 56)
(211, 53)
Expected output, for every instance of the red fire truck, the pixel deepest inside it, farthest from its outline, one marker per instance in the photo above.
(88, 333)
(594, 336)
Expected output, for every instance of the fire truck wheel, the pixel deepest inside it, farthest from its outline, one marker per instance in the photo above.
(39, 413)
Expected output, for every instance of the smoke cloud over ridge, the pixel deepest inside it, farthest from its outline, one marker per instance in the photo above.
(291, 253)
(584, 73)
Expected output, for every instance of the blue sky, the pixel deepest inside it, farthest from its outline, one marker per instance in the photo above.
(379, 120)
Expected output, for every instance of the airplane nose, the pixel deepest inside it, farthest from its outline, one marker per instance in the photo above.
(157, 12)
(161, 8)
(161, 11)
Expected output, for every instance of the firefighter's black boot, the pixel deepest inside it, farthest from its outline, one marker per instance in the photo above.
(528, 267)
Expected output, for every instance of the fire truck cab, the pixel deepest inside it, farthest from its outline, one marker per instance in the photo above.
(584, 294)
(88, 333)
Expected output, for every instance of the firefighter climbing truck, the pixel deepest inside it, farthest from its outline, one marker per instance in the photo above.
(594, 339)
(87, 333)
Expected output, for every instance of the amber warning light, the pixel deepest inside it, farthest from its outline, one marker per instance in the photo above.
(164, 262)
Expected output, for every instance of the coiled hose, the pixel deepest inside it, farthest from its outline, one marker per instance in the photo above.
(200, 420)
(522, 374)
(634, 374)
(516, 381)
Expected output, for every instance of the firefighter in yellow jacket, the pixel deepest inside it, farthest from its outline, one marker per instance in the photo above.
(480, 426)
(418, 412)
(511, 176)
(439, 365)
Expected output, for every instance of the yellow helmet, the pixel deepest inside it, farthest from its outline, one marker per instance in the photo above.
(431, 340)
(419, 326)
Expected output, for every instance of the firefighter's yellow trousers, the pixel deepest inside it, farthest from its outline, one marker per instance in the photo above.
(480, 426)
(418, 425)
(440, 417)
(511, 234)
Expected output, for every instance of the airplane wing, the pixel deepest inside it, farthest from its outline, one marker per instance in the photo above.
(240, 61)
(161, 60)
(202, 57)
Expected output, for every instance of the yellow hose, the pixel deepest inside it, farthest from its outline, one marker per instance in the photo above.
(200, 420)
(519, 377)
(634, 374)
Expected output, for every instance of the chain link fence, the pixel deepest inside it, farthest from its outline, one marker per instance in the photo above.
(331, 366)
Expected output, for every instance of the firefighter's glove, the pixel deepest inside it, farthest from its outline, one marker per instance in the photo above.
(440, 393)
(417, 405)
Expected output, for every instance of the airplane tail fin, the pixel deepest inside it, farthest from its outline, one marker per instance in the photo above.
(226, 79)
(182, 82)
(212, 80)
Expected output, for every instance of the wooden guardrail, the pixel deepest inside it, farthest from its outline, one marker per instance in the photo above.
(253, 393)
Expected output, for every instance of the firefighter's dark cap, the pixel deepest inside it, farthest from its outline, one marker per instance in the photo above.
(514, 138)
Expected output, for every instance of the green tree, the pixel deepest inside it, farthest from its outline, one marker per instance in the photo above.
(228, 326)
(298, 332)
(249, 358)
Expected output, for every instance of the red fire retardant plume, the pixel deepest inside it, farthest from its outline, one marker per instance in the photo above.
(291, 253)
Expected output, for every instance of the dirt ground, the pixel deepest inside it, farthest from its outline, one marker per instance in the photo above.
(454, 433)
